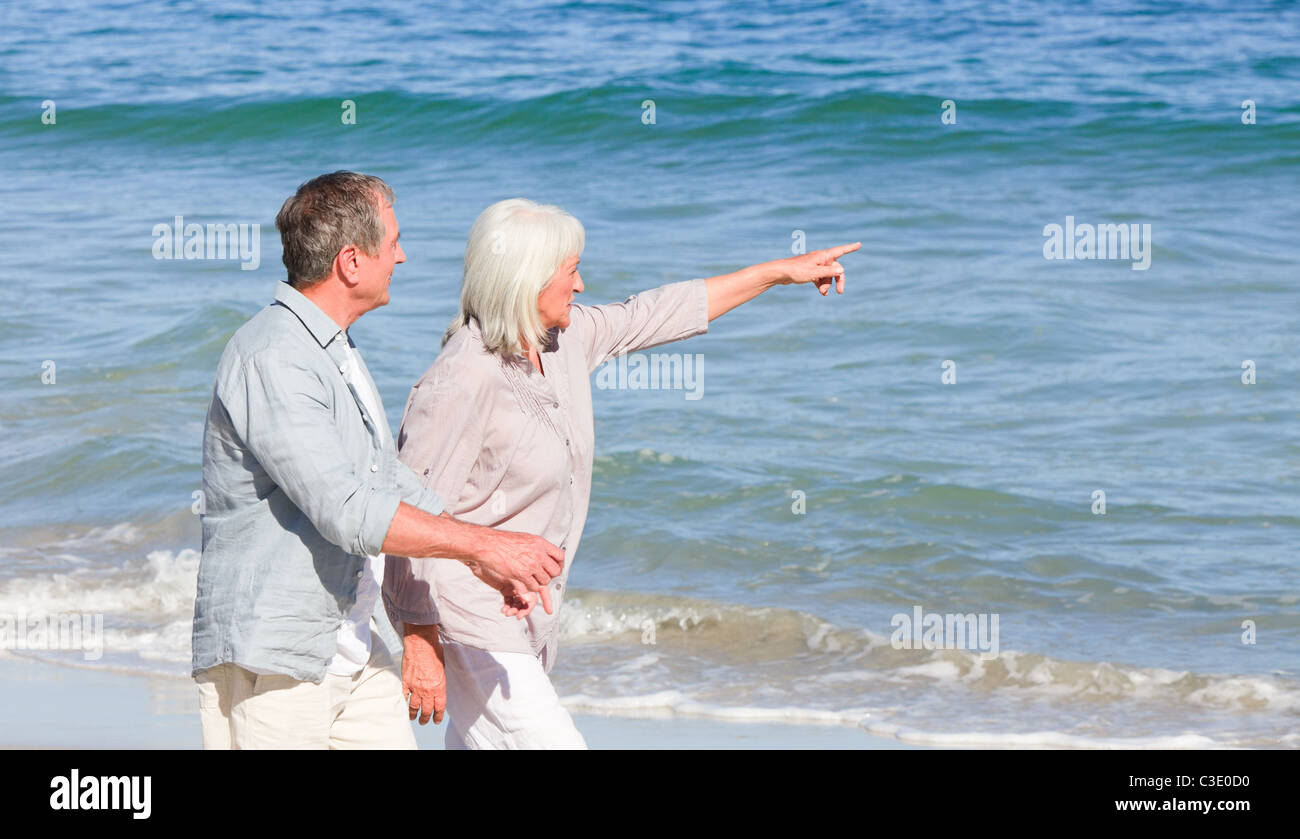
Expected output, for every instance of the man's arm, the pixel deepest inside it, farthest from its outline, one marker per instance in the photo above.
(280, 410)
(513, 563)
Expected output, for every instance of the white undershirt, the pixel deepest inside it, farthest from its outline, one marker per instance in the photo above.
(354, 633)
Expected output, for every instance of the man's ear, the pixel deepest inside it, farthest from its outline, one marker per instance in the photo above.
(347, 264)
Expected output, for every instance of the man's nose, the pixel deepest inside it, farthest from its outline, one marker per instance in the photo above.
(401, 254)
(578, 286)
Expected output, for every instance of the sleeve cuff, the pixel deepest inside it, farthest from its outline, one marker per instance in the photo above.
(700, 287)
(378, 519)
(380, 513)
(417, 617)
(429, 502)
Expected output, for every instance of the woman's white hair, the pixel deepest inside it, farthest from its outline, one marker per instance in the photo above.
(514, 248)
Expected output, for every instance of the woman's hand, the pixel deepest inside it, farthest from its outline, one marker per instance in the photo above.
(727, 291)
(519, 606)
(821, 267)
(424, 678)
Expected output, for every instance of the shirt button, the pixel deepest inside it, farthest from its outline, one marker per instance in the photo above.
(555, 404)
(570, 480)
(566, 441)
(360, 574)
(374, 467)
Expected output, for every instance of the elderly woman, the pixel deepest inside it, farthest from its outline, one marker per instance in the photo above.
(501, 428)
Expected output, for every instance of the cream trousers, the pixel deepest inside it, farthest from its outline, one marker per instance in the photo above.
(240, 709)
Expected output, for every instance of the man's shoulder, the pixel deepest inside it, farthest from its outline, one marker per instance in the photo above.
(271, 333)
(272, 326)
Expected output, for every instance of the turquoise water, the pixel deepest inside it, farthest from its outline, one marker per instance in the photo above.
(1072, 376)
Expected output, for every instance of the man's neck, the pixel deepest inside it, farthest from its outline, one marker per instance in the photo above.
(339, 308)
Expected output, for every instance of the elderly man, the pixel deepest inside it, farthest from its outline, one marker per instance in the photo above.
(304, 495)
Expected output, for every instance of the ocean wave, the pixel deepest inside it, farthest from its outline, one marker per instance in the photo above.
(820, 652)
(605, 117)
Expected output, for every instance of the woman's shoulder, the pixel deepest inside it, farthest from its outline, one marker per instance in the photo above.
(458, 389)
(463, 364)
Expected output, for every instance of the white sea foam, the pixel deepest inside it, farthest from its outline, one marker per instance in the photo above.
(675, 703)
(147, 604)
(162, 584)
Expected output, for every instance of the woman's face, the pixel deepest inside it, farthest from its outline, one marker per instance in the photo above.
(554, 301)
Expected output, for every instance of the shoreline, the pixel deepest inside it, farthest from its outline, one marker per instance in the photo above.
(85, 708)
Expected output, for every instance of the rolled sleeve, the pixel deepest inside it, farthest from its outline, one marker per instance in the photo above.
(281, 410)
(408, 598)
(668, 313)
(415, 493)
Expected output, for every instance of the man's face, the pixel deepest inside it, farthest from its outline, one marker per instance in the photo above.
(554, 301)
(376, 272)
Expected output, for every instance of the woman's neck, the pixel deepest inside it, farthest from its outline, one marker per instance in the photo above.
(535, 358)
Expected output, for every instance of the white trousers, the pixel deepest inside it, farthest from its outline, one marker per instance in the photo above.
(504, 701)
(240, 709)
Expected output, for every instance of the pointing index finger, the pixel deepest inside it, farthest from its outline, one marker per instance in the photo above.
(839, 250)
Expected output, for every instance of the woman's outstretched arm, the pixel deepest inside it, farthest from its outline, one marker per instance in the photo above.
(727, 291)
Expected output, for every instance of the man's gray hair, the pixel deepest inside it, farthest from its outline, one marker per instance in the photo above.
(327, 214)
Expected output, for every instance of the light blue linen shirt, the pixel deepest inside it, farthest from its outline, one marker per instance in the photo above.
(299, 486)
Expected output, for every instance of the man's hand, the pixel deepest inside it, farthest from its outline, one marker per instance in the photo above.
(424, 679)
(512, 563)
(516, 564)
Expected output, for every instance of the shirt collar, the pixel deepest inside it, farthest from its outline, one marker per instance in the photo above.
(321, 326)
